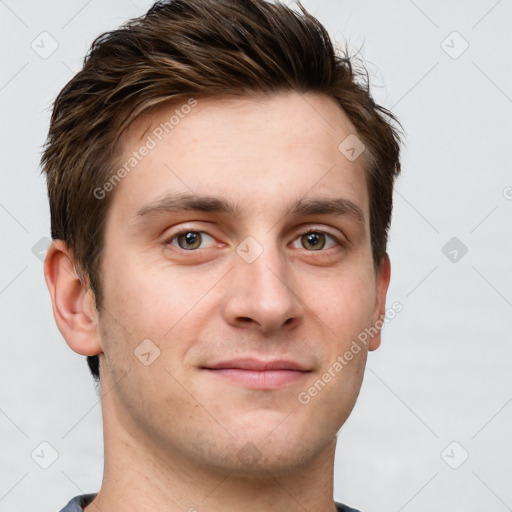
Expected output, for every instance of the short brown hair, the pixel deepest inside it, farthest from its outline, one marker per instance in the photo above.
(191, 48)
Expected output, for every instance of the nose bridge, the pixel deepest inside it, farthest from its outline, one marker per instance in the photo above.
(260, 289)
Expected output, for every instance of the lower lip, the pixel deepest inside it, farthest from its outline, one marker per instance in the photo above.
(265, 379)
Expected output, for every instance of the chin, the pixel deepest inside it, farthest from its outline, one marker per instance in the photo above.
(252, 463)
(264, 454)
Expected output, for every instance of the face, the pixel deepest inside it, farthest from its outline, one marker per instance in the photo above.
(237, 271)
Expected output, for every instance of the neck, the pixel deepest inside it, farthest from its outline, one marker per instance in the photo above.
(139, 472)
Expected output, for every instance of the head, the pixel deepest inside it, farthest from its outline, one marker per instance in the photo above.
(243, 111)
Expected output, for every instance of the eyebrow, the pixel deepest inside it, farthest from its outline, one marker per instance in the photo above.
(301, 208)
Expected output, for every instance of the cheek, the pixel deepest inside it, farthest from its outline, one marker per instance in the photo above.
(344, 304)
(153, 300)
(151, 297)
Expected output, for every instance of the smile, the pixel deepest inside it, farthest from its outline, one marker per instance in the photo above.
(260, 374)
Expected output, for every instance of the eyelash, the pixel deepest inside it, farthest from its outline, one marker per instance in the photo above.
(169, 240)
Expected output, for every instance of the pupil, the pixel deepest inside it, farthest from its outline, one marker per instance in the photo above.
(191, 238)
(314, 239)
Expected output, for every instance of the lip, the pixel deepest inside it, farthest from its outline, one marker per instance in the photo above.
(258, 365)
(260, 374)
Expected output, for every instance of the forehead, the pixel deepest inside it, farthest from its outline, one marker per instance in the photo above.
(247, 149)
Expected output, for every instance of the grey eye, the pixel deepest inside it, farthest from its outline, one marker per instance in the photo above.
(189, 240)
(314, 241)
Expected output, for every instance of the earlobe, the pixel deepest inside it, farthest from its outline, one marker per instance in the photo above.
(72, 302)
(382, 282)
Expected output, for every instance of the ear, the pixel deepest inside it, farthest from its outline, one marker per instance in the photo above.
(72, 302)
(381, 288)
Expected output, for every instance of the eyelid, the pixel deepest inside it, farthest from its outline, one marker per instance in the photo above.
(341, 241)
(171, 237)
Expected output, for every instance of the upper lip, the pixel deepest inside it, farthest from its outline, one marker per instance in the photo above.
(259, 365)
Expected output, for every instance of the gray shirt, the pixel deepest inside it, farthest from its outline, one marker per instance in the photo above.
(78, 503)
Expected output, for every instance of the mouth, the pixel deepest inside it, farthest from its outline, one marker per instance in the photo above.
(259, 374)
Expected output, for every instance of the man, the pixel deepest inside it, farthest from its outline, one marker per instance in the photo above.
(220, 187)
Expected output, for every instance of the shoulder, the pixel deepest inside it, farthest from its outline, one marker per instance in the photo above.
(344, 508)
(78, 503)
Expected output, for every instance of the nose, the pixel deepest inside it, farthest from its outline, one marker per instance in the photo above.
(261, 295)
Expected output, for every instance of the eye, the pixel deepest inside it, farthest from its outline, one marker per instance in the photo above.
(188, 240)
(315, 240)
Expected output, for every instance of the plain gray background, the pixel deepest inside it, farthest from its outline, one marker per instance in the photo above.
(438, 390)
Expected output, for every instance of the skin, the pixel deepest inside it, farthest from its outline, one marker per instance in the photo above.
(176, 435)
